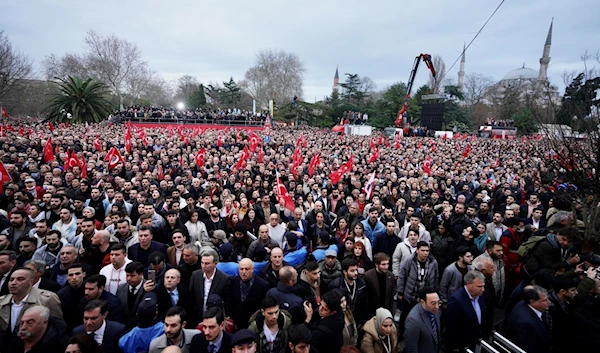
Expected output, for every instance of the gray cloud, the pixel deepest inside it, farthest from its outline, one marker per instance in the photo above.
(214, 39)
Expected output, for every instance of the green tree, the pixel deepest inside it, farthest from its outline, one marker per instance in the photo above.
(454, 91)
(352, 91)
(86, 101)
(579, 99)
(524, 122)
(231, 93)
(197, 99)
(388, 106)
(456, 115)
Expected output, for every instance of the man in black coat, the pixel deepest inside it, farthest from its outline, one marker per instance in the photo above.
(327, 332)
(220, 283)
(94, 317)
(526, 323)
(213, 332)
(8, 264)
(146, 246)
(355, 290)
(381, 286)
(130, 294)
(71, 294)
(170, 293)
(247, 293)
(94, 289)
(468, 307)
(39, 268)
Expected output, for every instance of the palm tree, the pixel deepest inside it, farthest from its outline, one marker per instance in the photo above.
(79, 101)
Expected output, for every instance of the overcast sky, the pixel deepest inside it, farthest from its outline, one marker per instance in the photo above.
(213, 39)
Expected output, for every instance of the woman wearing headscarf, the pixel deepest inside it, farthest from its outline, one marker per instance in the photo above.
(380, 334)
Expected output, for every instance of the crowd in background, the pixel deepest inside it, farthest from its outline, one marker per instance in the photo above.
(422, 245)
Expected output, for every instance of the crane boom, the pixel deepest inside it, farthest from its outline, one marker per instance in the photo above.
(411, 79)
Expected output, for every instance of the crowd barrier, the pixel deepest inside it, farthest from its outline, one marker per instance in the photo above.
(496, 344)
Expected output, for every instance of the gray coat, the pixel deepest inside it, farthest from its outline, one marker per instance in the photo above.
(452, 280)
(159, 343)
(419, 333)
(408, 278)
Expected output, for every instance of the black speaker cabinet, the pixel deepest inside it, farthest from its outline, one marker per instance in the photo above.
(431, 115)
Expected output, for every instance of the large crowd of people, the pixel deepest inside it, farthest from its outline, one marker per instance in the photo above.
(190, 116)
(192, 240)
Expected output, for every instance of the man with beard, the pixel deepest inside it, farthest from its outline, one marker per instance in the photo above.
(125, 233)
(26, 248)
(104, 332)
(71, 293)
(175, 334)
(39, 332)
(4, 242)
(40, 231)
(19, 227)
(67, 225)
(83, 241)
(452, 278)
(495, 252)
(55, 206)
(95, 201)
(381, 289)
(94, 289)
(78, 206)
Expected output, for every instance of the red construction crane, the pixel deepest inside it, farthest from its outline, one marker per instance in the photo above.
(427, 59)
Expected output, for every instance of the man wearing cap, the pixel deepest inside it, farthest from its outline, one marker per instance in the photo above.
(247, 292)
(214, 338)
(36, 191)
(330, 268)
(148, 328)
(243, 342)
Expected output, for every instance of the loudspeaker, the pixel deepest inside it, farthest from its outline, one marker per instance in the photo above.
(431, 115)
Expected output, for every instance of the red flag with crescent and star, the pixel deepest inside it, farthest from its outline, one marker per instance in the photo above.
(113, 158)
(4, 177)
(253, 141)
(48, 151)
(284, 196)
(200, 157)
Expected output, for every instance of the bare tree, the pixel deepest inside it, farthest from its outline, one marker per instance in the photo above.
(277, 75)
(440, 70)
(137, 83)
(158, 92)
(186, 85)
(14, 66)
(476, 87)
(111, 60)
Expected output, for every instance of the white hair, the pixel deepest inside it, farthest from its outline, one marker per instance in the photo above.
(40, 309)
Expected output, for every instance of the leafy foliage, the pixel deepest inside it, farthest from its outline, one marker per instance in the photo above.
(84, 100)
(525, 122)
(197, 98)
(579, 99)
(231, 94)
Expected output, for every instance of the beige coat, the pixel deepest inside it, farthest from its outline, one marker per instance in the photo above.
(36, 297)
(370, 342)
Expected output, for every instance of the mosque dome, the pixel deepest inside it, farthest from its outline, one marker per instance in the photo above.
(523, 73)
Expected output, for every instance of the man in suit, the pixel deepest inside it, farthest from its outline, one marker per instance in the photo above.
(105, 333)
(535, 224)
(468, 307)
(379, 278)
(527, 322)
(495, 229)
(39, 268)
(422, 326)
(131, 293)
(94, 289)
(8, 264)
(303, 226)
(170, 293)
(22, 296)
(175, 334)
(247, 293)
(146, 246)
(215, 339)
(209, 276)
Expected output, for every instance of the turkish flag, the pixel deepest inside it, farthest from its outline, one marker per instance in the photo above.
(4, 176)
(50, 126)
(261, 154)
(316, 159)
(284, 196)
(97, 144)
(199, 158)
(467, 151)
(161, 173)
(113, 158)
(21, 131)
(128, 145)
(83, 168)
(219, 141)
(337, 175)
(372, 143)
(253, 140)
(4, 113)
(72, 160)
(433, 147)
(380, 140)
(419, 145)
(398, 145)
(48, 151)
(444, 137)
(245, 155)
(427, 165)
(375, 156)
(238, 136)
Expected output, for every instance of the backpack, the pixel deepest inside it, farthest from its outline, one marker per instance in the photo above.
(527, 247)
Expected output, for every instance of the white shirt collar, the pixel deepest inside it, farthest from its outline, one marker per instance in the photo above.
(536, 311)
(99, 333)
